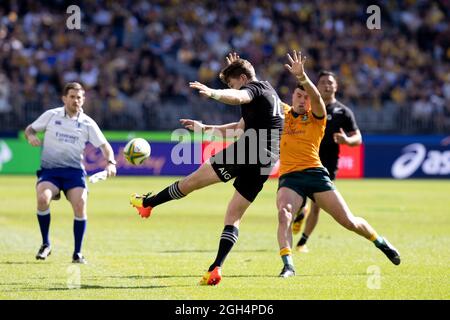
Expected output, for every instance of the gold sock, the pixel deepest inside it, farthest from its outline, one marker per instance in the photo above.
(373, 237)
(285, 251)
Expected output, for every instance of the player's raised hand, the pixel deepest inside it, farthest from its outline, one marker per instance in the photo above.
(340, 137)
(192, 125)
(202, 89)
(232, 56)
(34, 140)
(297, 63)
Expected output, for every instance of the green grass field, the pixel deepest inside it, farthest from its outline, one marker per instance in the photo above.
(165, 256)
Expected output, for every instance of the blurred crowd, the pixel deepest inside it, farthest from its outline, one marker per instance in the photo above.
(135, 58)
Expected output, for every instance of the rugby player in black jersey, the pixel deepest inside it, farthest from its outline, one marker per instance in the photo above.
(249, 160)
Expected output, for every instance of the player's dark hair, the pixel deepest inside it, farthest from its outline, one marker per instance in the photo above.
(327, 73)
(72, 86)
(300, 87)
(235, 69)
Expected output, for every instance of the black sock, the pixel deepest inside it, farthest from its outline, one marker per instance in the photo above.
(300, 216)
(227, 240)
(172, 192)
(302, 240)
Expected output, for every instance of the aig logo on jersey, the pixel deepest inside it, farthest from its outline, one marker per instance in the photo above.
(224, 173)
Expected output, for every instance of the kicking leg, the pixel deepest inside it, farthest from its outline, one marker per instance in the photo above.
(202, 177)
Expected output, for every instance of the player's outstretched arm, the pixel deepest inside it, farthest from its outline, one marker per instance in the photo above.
(297, 68)
(32, 139)
(227, 96)
(233, 129)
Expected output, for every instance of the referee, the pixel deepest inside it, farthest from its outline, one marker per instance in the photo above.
(67, 130)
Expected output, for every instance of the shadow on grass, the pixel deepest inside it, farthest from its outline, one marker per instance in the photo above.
(90, 287)
(20, 262)
(97, 287)
(360, 274)
(185, 251)
(242, 276)
(212, 251)
(137, 277)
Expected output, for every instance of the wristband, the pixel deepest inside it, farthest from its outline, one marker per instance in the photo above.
(215, 95)
(302, 80)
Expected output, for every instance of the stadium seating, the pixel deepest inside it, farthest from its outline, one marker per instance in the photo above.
(136, 58)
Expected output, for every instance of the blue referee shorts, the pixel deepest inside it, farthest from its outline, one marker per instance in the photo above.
(63, 178)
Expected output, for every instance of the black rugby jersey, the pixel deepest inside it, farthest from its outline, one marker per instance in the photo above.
(264, 111)
(263, 114)
(338, 116)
